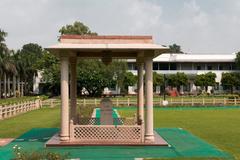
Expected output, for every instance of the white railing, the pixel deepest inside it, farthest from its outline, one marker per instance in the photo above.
(96, 121)
(7, 111)
(106, 133)
(180, 101)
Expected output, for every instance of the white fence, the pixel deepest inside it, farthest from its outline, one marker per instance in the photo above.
(184, 101)
(7, 111)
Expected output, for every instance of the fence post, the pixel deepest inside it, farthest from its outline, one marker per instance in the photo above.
(128, 103)
(203, 101)
(84, 102)
(95, 102)
(0, 112)
(14, 108)
(214, 101)
(51, 105)
(224, 101)
(235, 101)
(182, 101)
(160, 101)
(171, 100)
(117, 102)
(192, 102)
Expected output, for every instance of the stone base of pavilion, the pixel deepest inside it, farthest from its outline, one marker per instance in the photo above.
(55, 142)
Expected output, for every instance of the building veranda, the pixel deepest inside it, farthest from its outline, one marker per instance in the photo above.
(73, 130)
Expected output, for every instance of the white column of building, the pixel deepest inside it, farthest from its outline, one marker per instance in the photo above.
(18, 86)
(73, 89)
(14, 86)
(8, 86)
(149, 135)
(64, 135)
(22, 92)
(140, 93)
(5, 85)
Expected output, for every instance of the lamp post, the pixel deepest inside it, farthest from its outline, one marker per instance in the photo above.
(164, 89)
(165, 102)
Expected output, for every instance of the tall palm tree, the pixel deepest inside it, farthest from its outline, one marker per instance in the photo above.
(21, 72)
(3, 50)
(10, 70)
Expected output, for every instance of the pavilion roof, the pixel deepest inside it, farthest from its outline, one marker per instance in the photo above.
(117, 45)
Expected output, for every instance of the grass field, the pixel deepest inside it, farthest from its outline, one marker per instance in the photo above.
(218, 127)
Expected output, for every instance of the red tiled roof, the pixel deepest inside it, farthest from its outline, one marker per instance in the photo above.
(70, 36)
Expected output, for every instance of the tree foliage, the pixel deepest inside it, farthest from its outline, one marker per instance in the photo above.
(237, 59)
(177, 80)
(29, 56)
(94, 76)
(3, 46)
(175, 48)
(205, 80)
(158, 80)
(230, 80)
(129, 80)
(50, 70)
(76, 28)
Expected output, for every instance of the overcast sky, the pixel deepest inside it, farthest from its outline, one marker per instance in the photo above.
(199, 26)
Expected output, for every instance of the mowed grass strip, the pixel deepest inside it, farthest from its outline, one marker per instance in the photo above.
(218, 127)
(41, 118)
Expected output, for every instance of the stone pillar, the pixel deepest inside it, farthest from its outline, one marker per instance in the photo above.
(149, 135)
(140, 93)
(73, 89)
(64, 135)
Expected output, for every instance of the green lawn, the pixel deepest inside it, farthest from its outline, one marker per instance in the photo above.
(218, 127)
(42, 118)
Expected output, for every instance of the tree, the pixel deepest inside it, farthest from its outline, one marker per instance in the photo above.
(177, 80)
(91, 77)
(129, 80)
(175, 48)
(29, 55)
(3, 50)
(229, 80)
(76, 28)
(3, 46)
(50, 70)
(205, 80)
(158, 80)
(237, 59)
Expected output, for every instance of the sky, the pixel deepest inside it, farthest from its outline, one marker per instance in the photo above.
(198, 26)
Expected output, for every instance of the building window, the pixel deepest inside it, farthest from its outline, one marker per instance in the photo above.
(163, 66)
(198, 67)
(234, 67)
(209, 67)
(155, 66)
(130, 66)
(134, 66)
(173, 66)
(220, 68)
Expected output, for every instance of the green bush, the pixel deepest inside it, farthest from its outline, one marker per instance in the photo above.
(24, 155)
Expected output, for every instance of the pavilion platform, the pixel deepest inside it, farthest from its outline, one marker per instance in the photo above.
(56, 142)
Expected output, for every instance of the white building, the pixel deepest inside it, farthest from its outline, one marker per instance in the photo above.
(191, 64)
